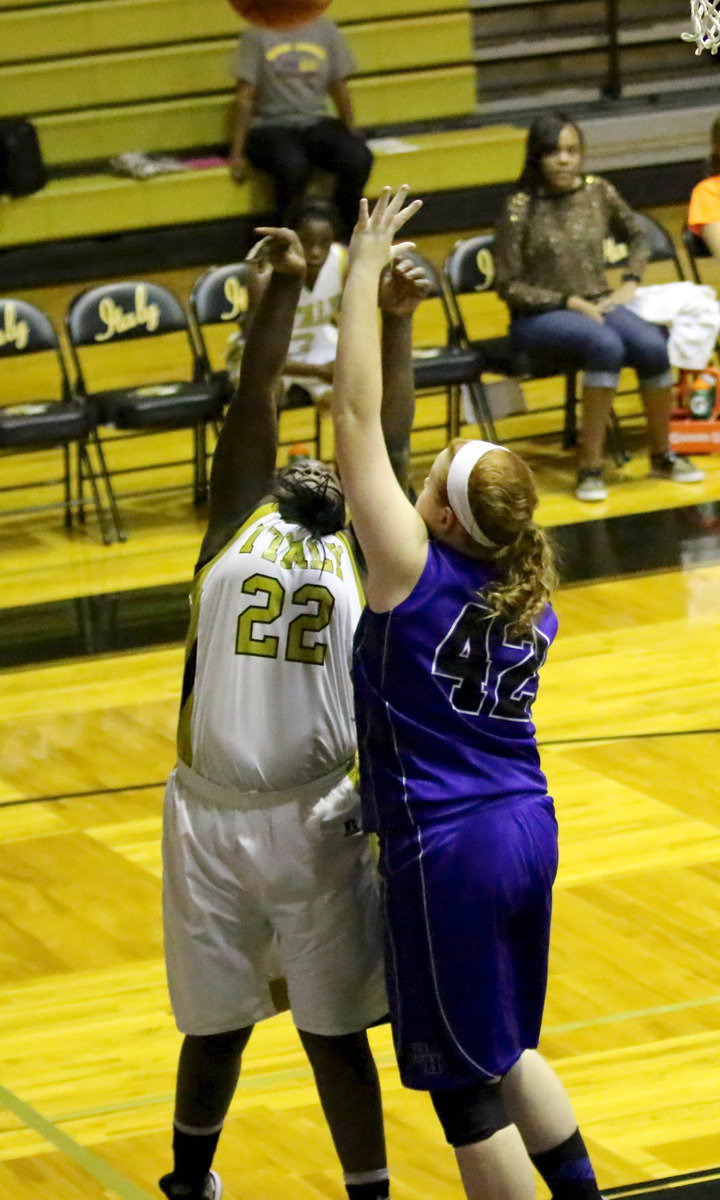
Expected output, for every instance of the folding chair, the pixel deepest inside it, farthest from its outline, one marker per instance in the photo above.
(218, 306)
(695, 248)
(130, 312)
(470, 268)
(450, 366)
(661, 246)
(37, 423)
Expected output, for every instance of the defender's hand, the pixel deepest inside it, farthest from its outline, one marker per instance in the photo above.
(373, 235)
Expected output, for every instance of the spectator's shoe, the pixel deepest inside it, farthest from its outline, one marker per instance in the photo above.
(590, 486)
(211, 1189)
(675, 468)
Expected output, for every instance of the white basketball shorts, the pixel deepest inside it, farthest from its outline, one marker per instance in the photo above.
(250, 893)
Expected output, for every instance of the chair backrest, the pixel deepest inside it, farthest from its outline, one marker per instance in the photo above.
(470, 265)
(469, 269)
(695, 247)
(220, 295)
(25, 329)
(103, 321)
(661, 246)
(121, 311)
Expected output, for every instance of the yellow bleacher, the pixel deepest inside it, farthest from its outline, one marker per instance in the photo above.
(99, 78)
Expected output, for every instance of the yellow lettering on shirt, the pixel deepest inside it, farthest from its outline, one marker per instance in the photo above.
(251, 540)
(283, 48)
(304, 316)
(294, 555)
(271, 552)
(337, 554)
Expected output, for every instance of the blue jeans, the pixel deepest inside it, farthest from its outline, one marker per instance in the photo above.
(554, 341)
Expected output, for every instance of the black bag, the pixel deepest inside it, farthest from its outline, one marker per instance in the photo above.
(22, 170)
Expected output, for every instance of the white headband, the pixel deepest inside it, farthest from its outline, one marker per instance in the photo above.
(459, 474)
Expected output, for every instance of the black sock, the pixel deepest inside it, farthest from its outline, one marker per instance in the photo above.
(193, 1154)
(379, 1189)
(567, 1170)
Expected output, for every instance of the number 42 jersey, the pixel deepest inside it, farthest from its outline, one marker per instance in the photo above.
(267, 698)
(443, 697)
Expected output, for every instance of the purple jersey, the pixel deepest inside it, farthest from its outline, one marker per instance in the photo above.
(451, 779)
(443, 698)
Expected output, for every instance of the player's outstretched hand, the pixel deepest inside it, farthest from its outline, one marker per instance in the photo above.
(279, 249)
(403, 285)
(373, 235)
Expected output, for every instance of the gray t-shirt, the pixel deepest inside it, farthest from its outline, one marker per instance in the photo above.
(292, 71)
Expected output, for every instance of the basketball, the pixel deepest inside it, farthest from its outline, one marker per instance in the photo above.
(280, 14)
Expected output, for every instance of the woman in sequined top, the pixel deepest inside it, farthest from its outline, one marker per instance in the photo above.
(550, 270)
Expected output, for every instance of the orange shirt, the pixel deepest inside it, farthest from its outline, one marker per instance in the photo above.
(704, 204)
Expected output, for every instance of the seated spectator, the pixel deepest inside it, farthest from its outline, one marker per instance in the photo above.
(704, 211)
(281, 124)
(550, 270)
(311, 357)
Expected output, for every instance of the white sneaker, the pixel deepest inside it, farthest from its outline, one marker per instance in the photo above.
(590, 486)
(675, 468)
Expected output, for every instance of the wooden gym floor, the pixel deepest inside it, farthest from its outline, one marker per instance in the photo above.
(628, 721)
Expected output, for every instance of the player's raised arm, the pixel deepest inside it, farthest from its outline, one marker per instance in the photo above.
(391, 534)
(244, 459)
(403, 285)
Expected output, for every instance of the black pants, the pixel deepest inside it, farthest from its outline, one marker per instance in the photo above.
(289, 155)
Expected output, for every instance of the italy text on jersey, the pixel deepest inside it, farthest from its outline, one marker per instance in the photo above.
(306, 610)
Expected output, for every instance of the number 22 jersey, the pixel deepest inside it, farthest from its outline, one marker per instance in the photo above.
(267, 697)
(443, 699)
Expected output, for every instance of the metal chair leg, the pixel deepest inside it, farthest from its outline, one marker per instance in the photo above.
(570, 435)
(454, 400)
(200, 476)
(99, 507)
(482, 410)
(109, 490)
(617, 441)
(67, 486)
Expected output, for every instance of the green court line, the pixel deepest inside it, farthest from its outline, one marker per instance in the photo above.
(261, 1082)
(97, 1167)
(101, 1170)
(614, 1018)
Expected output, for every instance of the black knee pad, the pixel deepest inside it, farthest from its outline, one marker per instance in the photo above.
(471, 1114)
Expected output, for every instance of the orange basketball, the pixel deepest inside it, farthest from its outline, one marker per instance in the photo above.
(280, 14)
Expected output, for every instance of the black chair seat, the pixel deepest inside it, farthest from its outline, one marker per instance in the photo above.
(43, 423)
(498, 357)
(160, 406)
(446, 366)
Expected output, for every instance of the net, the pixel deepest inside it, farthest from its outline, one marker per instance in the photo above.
(705, 18)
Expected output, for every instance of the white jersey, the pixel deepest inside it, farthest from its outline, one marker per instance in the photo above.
(267, 697)
(314, 335)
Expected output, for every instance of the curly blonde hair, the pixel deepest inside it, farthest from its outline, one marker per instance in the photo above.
(502, 497)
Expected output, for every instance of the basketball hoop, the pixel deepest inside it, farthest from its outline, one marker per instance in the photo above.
(705, 17)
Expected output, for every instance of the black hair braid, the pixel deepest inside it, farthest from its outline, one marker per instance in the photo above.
(318, 506)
